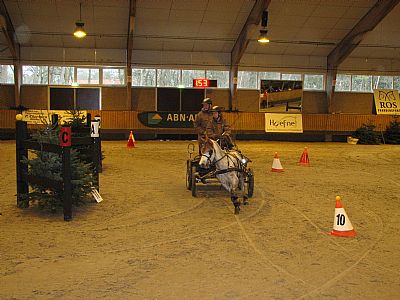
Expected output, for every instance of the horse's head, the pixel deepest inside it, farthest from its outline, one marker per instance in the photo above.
(207, 153)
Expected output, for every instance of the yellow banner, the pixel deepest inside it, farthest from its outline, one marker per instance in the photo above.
(43, 116)
(387, 102)
(285, 123)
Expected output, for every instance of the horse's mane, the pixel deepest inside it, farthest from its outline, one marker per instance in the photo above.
(217, 147)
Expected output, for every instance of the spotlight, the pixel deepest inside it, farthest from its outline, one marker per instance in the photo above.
(263, 39)
(80, 30)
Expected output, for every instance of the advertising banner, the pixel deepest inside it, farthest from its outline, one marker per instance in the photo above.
(43, 116)
(167, 119)
(283, 123)
(387, 102)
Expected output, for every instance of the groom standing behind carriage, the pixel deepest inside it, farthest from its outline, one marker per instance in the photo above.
(202, 119)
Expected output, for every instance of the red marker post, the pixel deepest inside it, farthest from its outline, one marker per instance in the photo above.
(65, 136)
(65, 143)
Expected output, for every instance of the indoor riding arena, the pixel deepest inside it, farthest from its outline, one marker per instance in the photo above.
(292, 194)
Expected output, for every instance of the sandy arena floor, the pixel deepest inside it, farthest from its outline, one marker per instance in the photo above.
(150, 239)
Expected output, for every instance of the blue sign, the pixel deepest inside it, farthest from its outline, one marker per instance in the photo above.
(167, 119)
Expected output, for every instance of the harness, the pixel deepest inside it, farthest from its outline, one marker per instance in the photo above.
(231, 159)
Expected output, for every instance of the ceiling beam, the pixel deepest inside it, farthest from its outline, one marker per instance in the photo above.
(373, 17)
(131, 28)
(8, 30)
(243, 39)
(129, 48)
(240, 46)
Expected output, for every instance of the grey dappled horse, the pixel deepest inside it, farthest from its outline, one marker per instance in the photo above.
(233, 179)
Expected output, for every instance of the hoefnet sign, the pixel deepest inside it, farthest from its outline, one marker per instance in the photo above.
(387, 102)
(167, 119)
(284, 123)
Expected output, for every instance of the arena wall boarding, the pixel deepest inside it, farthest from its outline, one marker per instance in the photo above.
(349, 111)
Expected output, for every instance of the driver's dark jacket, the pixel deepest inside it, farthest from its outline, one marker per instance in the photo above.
(216, 127)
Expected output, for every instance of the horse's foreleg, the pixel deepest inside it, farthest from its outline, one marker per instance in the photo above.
(236, 203)
(234, 196)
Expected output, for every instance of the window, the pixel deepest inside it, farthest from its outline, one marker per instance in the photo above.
(269, 75)
(61, 75)
(189, 75)
(67, 98)
(6, 74)
(313, 82)
(222, 77)
(291, 77)
(144, 77)
(114, 76)
(87, 76)
(247, 80)
(87, 98)
(396, 82)
(168, 77)
(361, 83)
(343, 83)
(35, 75)
(382, 82)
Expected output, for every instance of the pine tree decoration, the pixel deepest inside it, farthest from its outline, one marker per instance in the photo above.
(392, 133)
(366, 135)
(49, 165)
(77, 119)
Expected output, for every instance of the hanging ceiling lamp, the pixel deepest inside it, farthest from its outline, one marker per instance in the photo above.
(80, 30)
(263, 38)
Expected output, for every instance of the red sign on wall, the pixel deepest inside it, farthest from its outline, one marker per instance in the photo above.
(65, 136)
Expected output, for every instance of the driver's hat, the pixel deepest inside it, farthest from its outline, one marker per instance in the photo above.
(217, 108)
(207, 100)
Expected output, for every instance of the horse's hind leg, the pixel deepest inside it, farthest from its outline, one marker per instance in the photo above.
(245, 200)
(236, 203)
(243, 190)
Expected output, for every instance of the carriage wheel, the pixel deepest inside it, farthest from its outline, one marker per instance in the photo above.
(250, 183)
(194, 187)
(188, 175)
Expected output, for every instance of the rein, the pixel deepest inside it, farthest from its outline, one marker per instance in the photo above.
(230, 159)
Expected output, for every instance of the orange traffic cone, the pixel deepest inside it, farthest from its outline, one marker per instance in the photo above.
(131, 141)
(304, 160)
(341, 222)
(276, 164)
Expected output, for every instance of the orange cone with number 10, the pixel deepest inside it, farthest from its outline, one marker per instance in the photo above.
(341, 222)
(276, 164)
(131, 141)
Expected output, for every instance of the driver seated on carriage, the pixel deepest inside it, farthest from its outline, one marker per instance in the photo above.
(218, 129)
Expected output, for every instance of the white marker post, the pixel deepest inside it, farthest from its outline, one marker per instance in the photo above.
(94, 129)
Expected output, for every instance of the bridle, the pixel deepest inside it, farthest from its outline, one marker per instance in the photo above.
(215, 161)
(208, 157)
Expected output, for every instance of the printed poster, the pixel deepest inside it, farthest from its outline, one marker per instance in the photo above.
(387, 102)
(283, 123)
